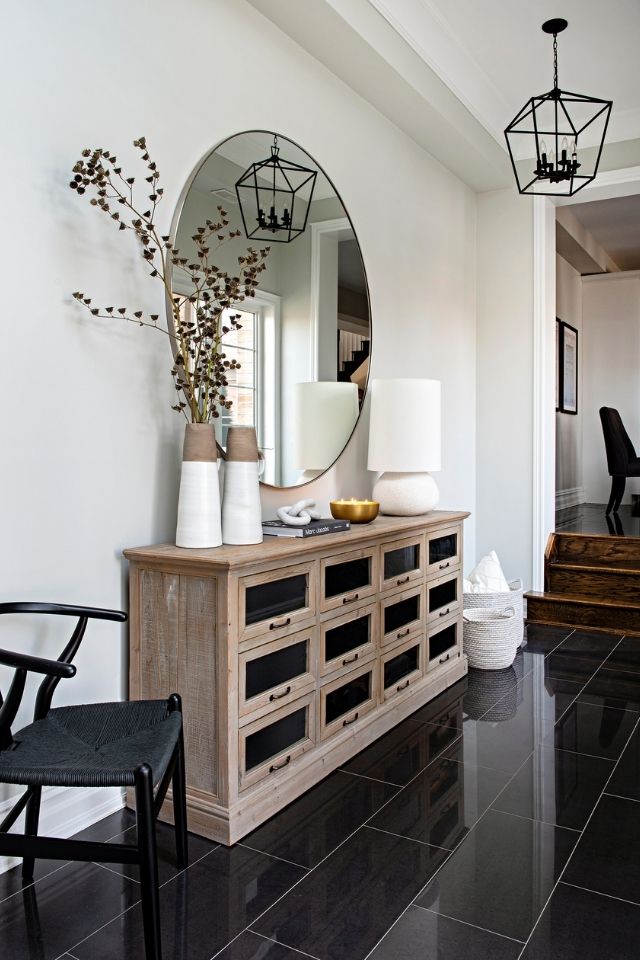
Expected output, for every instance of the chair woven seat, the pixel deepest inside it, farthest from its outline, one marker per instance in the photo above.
(93, 745)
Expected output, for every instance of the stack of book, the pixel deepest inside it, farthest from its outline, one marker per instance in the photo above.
(276, 528)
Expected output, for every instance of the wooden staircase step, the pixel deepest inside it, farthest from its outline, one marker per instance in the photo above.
(594, 548)
(577, 611)
(593, 583)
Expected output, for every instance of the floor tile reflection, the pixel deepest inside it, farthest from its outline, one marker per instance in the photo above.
(422, 933)
(542, 639)
(607, 858)
(626, 656)
(251, 946)
(63, 908)
(443, 802)
(598, 731)
(502, 875)
(625, 781)
(345, 906)
(201, 909)
(580, 925)
(556, 786)
(403, 752)
(613, 688)
(311, 827)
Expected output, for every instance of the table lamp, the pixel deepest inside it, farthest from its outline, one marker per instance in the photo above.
(325, 414)
(404, 444)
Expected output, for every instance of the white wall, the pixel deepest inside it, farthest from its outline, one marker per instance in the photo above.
(611, 371)
(504, 412)
(569, 471)
(91, 448)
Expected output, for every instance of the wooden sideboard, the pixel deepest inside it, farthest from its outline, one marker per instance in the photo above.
(294, 654)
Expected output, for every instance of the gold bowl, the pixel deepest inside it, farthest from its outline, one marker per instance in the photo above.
(357, 511)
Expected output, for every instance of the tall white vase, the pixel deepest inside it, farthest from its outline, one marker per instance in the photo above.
(241, 508)
(199, 515)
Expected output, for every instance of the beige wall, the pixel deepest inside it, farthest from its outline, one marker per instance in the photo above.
(569, 472)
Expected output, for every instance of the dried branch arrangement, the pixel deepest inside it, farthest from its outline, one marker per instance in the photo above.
(200, 366)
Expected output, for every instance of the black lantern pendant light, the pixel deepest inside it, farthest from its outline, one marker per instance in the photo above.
(543, 138)
(274, 197)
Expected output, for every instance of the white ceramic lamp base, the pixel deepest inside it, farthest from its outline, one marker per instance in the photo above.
(241, 512)
(405, 494)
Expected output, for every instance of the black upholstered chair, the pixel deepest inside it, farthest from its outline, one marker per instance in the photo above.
(135, 744)
(622, 460)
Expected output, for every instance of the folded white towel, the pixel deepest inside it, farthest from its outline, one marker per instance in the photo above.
(487, 577)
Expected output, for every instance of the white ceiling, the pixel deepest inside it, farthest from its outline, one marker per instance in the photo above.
(615, 225)
(453, 73)
(493, 55)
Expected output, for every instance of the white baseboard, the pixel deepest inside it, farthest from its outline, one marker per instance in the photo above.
(570, 497)
(65, 811)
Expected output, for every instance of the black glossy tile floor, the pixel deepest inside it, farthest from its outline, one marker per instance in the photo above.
(591, 518)
(500, 821)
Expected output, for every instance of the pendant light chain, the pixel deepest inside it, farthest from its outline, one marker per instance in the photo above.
(555, 61)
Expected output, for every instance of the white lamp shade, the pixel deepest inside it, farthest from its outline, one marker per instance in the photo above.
(404, 426)
(324, 417)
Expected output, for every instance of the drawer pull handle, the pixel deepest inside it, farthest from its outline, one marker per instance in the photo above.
(444, 659)
(354, 596)
(443, 613)
(403, 633)
(402, 580)
(350, 659)
(345, 723)
(443, 566)
(403, 686)
(279, 696)
(279, 766)
(276, 624)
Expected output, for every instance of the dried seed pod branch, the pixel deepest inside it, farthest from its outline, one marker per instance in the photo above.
(200, 367)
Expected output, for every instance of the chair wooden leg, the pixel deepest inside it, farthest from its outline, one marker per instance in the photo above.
(621, 483)
(32, 819)
(178, 787)
(617, 492)
(146, 826)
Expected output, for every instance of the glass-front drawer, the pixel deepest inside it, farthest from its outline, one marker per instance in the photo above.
(345, 700)
(444, 549)
(275, 673)
(402, 614)
(443, 597)
(444, 643)
(401, 667)
(401, 562)
(347, 578)
(271, 743)
(277, 602)
(348, 639)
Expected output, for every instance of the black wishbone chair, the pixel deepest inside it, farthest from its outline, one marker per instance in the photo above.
(135, 744)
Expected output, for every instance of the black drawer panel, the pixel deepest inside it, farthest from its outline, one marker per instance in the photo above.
(443, 548)
(344, 577)
(346, 637)
(397, 614)
(403, 560)
(276, 668)
(401, 666)
(443, 594)
(267, 600)
(442, 641)
(347, 697)
(276, 737)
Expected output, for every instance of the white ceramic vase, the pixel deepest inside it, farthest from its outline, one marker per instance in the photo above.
(199, 515)
(241, 508)
(405, 494)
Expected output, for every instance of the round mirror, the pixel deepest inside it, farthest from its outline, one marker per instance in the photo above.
(303, 345)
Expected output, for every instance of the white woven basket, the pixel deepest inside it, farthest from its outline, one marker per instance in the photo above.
(489, 638)
(498, 601)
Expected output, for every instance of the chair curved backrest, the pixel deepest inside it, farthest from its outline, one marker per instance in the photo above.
(617, 444)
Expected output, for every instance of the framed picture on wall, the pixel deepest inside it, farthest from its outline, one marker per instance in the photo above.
(558, 360)
(568, 357)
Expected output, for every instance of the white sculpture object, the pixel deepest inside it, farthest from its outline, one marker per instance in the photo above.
(299, 514)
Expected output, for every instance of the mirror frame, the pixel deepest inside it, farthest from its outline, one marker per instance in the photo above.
(175, 220)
